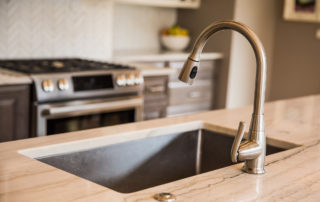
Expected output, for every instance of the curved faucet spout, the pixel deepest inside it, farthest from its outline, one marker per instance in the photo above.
(256, 133)
(194, 57)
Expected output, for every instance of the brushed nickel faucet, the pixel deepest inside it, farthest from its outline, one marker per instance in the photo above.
(252, 150)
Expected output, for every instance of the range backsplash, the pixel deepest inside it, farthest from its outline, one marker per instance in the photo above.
(56, 28)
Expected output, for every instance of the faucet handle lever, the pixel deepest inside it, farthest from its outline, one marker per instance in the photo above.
(237, 141)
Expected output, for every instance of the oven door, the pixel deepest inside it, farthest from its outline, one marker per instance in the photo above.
(85, 114)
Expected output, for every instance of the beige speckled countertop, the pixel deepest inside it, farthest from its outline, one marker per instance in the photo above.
(13, 78)
(292, 175)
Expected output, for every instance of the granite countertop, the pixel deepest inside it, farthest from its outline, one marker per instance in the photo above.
(156, 56)
(291, 175)
(13, 78)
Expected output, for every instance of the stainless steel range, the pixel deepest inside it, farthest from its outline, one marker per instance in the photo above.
(76, 94)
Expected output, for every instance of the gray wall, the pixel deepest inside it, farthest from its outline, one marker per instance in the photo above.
(260, 16)
(296, 65)
(292, 49)
(196, 21)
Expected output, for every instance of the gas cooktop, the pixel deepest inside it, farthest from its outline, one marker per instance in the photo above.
(41, 66)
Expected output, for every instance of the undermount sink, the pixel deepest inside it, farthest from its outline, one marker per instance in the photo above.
(150, 161)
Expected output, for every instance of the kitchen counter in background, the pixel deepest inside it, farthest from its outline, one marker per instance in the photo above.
(12, 78)
(152, 56)
(8, 77)
(135, 59)
(183, 99)
(291, 175)
(151, 70)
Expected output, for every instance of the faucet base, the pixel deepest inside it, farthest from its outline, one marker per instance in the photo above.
(257, 171)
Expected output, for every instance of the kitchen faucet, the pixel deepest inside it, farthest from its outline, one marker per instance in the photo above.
(252, 150)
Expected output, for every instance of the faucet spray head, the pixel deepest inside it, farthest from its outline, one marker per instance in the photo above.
(189, 71)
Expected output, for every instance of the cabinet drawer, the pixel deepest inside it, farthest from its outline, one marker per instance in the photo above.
(154, 112)
(155, 97)
(155, 86)
(155, 104)
(179, 110)
(190, 94)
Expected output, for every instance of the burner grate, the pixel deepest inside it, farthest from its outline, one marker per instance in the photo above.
(40, 66)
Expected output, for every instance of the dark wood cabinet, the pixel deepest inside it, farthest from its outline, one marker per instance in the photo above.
(14, 112)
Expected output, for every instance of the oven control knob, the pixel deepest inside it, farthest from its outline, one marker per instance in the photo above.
(138, 79)
(121, 80)
(130, 79)
(63, 84)
(47, 86)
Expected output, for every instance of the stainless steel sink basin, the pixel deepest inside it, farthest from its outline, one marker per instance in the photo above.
(135, 165)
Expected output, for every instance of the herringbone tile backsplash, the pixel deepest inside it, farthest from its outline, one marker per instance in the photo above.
(56, 28)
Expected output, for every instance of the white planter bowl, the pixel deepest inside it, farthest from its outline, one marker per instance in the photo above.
(175, 43)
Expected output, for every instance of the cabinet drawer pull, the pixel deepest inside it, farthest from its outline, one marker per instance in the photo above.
(156, 89)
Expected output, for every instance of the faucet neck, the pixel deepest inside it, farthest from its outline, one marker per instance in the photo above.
(260, 83)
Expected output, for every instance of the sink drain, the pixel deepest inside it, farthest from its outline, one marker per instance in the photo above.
(165, 197)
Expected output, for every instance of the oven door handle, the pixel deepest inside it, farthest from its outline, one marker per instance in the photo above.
(90, 108)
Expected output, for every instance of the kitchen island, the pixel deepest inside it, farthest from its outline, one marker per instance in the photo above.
(290, 175)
